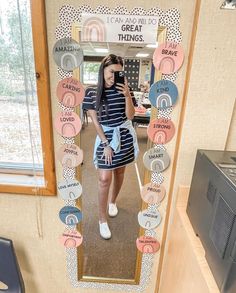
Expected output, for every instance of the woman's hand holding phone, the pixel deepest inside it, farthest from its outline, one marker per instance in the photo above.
(123, 88)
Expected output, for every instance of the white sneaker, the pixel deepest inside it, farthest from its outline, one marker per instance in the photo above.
(104, 230)
(112, 210)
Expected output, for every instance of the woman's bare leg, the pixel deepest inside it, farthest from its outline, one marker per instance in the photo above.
(104, 182)
(118, 178)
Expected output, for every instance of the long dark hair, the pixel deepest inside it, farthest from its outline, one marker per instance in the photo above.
(101, 98)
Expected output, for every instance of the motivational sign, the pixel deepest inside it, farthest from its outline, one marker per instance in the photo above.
(69, 189)
(161, 131)
(70, 92)
(67, 54)
(156, 160)
(70, 155)
(168, 57)
(163, 94)
(70, 215)
(71, 238)
(68, 124)
(147, 244)
(149, 219)
(153, 193)
(119, 28)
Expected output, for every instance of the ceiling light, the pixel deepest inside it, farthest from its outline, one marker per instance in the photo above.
(152, 45)
(142, 55)
(101, 50)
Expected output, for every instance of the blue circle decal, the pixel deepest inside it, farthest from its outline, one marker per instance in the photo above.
(70, 215)
(163, 94)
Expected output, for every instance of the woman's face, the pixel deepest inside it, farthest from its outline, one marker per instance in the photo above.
(109, 73)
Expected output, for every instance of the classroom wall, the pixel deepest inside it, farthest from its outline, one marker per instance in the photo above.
(209, 122)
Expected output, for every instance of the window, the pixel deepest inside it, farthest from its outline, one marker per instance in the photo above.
(26, 146)
(90, 72)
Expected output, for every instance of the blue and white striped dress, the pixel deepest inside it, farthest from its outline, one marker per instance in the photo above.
(114, 116)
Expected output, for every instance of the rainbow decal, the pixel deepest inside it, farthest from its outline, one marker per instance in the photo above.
(167, 64)
(69, 99)
(160, 137)
(68, 161)
(94, 30)
(71, 220)
(68, 61)
(148, 248)
(149, 198)
(148, 224)
(157, 165)
(72, 195)
(68, 130)
(163, 101)
(70, 242)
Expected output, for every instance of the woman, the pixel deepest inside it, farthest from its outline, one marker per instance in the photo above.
(111, 109)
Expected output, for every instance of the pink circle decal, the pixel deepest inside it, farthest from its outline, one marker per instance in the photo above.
(70, 155)
(161, 131)
(71, 238)
(168, 57)
(68, 124)
(147, 244)
(153, 193)
(70, 92)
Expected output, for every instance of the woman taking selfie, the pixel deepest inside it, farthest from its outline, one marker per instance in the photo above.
(111, 108)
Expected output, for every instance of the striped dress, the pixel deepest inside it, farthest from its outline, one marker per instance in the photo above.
(112, 117)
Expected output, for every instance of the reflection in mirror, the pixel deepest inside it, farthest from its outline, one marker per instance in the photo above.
(116, 259)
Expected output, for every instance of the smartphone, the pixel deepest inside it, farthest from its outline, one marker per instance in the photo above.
(119, 77)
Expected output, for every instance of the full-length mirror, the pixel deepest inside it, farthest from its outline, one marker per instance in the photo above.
(117, 259)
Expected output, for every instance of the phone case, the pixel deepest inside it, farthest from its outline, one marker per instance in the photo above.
(119, 77)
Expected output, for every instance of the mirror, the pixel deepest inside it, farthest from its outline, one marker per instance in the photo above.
(117, 259)
(169, 30)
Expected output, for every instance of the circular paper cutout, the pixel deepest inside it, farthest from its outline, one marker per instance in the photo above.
(153, 193)
(156, 160)
(71, 238)
(68, 124)
(163, 94)
(70, 215)
(161, 131)
(67, 54)
(70, 189)
(147, 244)
(149, 219)
(70, 155)
(168, 57)
(70, 92)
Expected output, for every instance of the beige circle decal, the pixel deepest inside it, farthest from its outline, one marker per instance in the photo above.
(70, 92)
(69, 189)
(153, 193)
(149, 219)
(156, 160)
(70, 155)
(68, 124)
(161, 131)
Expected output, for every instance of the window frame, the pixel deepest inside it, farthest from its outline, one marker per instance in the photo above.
(39, 34)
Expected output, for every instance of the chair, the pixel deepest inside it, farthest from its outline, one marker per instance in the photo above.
(9, 268)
